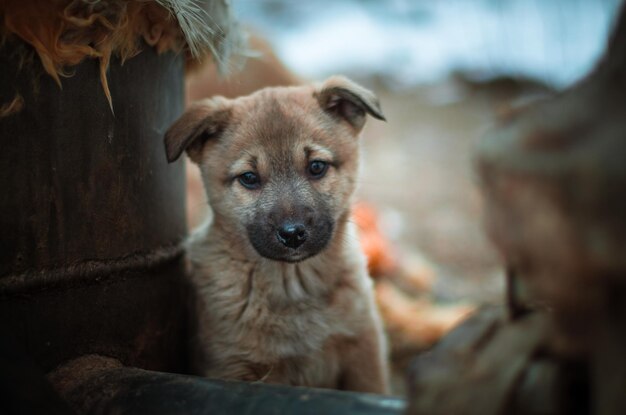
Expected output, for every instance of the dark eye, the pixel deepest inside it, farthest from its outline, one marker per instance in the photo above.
(317, 169)
(250, 180)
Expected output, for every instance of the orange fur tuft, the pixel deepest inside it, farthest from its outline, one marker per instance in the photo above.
(65, 32)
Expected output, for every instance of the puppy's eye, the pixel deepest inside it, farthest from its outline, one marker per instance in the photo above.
(250, 180)
(317, 169)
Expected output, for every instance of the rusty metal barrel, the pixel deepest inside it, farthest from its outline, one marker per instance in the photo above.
(91, 214)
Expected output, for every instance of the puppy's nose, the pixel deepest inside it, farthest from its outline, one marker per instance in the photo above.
(292, 235)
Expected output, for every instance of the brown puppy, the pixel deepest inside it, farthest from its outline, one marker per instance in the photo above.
(282, 289)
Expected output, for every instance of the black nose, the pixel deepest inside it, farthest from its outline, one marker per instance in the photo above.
(291, 235)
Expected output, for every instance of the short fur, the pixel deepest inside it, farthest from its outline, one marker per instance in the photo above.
(302, 315)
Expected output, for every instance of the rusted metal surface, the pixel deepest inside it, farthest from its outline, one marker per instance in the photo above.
(137, 316)
(104, 387)
(91, 214)
(79, 182)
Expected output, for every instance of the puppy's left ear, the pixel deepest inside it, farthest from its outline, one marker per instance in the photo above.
(204, 120)
(348, 100)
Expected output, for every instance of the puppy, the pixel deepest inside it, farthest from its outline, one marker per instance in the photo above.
(281, 286)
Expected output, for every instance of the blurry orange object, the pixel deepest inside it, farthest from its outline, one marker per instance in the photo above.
(411, 324)
(381, 259)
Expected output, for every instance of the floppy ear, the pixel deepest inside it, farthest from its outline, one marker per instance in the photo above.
(348, 100)
(203, 120)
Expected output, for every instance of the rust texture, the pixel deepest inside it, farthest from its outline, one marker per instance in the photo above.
(91, 214)
(82, 184)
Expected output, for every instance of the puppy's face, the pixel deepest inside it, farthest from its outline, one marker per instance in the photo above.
(279, 166)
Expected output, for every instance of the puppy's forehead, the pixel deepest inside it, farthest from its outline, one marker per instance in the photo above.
(280, 116)
(282, 126)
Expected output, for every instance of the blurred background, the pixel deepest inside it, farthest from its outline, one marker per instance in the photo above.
(444, 72)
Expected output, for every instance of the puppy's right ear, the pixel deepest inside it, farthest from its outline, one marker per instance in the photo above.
(204, 120)
(348, 100)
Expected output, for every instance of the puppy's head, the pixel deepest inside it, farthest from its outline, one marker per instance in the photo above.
(280, 165)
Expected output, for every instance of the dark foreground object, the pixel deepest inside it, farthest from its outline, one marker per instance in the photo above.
(91, 214)
(91, 220)
(98, 385)
(554, 180)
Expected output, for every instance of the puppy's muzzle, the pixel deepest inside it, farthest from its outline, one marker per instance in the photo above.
(292, 235)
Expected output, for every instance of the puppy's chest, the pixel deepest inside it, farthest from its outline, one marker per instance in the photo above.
(303, 329)
(275, 314)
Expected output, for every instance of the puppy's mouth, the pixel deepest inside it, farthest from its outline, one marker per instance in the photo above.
(290, 242)
(292, 257)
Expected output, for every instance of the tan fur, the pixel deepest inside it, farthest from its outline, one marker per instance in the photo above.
(311, 321)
